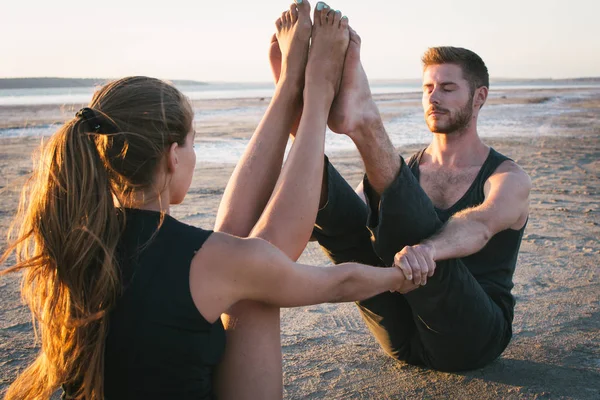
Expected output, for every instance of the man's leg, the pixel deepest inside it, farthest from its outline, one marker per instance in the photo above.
(458, 326)
(474, 328)
(341, 223)
(340, 227)
(342, 233)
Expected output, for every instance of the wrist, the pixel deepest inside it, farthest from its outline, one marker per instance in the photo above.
(429, 244)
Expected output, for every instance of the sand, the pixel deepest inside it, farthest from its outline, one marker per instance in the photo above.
(328, 352)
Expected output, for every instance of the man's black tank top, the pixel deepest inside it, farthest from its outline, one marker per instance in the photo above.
(159, 346)
(494, 265)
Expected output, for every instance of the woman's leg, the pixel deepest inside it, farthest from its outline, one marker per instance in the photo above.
(252, 367)
(289, 216)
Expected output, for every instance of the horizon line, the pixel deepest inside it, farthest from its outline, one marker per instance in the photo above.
(497, 78)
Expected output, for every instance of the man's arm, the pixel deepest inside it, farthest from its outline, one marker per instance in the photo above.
(506, 206)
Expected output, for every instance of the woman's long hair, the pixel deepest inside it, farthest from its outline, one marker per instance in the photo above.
(68, 225)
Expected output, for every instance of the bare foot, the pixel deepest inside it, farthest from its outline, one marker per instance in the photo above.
(275, 61)
(275, 58)
(330, 37)
(354, 105)
(288, 53)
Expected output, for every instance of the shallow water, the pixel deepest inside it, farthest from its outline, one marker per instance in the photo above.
(404, 118)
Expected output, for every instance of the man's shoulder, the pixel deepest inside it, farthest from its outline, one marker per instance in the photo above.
(505, 164)
(415, 157)
(510, 177)
(509, 166)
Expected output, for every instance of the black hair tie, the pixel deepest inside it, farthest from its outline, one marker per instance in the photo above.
(97, 123)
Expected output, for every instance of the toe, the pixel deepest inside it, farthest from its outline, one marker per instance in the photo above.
(303, 7)
(329, 17)
(293, 13)
(354, 37)
(337, 16)
(321, 11)
(284, 18)
(278, 24)
(344, 22)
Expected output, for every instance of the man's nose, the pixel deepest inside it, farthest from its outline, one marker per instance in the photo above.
(434, 97)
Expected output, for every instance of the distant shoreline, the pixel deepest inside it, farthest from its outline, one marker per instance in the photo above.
(60, 83)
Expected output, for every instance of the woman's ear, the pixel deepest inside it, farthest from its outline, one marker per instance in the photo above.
(172, 160)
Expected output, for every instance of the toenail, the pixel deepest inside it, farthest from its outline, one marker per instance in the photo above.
(320, 6)
(298, 1)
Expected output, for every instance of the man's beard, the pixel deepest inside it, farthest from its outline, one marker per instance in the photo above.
(458, 122)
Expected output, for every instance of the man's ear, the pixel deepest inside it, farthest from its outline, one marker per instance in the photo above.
(172, 160)
(480, 96)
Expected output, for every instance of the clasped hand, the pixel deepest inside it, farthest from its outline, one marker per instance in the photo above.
(416, 262)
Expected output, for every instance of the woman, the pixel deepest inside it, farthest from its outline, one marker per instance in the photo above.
(128, 300)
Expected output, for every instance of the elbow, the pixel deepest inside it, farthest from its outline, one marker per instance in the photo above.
(485, 235)
(337, 294)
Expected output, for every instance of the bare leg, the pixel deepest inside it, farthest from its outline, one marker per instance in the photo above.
(251, 367)
(296, 195)
(289, 216)
(254, 177)
(354, 113)
(275, 59)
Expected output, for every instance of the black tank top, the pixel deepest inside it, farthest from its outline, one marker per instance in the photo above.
(159, 346)
(494, 265)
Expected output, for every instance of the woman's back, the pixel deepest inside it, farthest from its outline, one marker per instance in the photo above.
(158, 343)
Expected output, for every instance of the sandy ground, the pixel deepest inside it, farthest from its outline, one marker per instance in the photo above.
(328, 352)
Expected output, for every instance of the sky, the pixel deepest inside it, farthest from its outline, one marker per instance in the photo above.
(228, 40)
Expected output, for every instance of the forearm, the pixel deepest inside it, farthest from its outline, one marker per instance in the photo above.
(360, 282)
(290, 214)
(255, 175)
(464, 234)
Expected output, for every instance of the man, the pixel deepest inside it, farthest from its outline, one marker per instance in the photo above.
(457, 206)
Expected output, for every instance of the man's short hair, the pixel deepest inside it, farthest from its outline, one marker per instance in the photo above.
(473, 67)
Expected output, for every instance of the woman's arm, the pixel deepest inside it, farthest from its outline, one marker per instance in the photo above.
(253, 269)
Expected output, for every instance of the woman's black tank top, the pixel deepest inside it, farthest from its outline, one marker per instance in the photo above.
(159, 346)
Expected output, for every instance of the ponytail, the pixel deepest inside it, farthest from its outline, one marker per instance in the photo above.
(69, 229)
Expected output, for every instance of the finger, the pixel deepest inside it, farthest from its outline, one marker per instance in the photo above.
(406, 269)
(423, 267)
(414, 265)
(400, 262)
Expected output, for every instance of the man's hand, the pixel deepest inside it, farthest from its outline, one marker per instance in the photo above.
(416, 262)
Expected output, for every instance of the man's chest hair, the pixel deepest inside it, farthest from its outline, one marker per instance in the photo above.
(445, 186)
